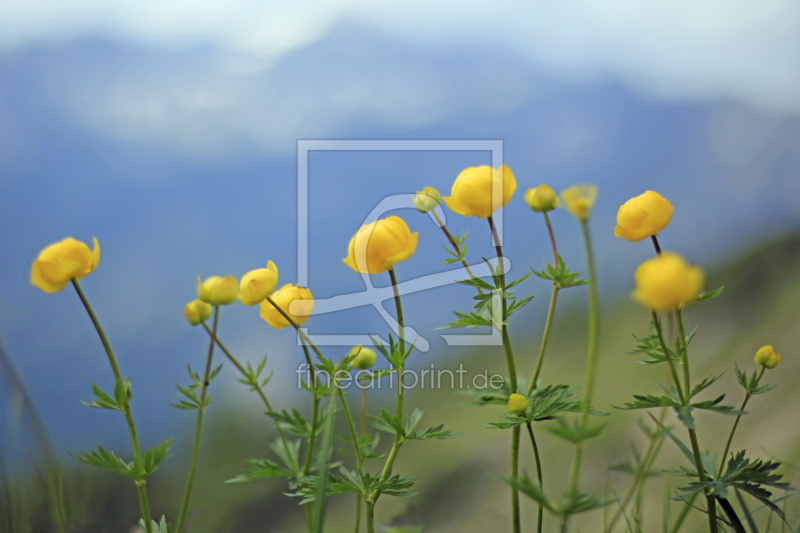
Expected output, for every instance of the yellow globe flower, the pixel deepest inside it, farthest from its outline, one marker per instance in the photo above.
(766, 357)
(426, 199)
(217, 290)
(579, 200)
(666, 282)
(197, 311)
(542, 198)
(377, 246)
(472, 192)
(643, 216)
(365, 358)
(517, 404)
(256, 285)
(62, 262)
(297, 302)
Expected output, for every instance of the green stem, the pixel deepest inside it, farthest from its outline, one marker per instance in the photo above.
(126, 406)
(539, 476)
(351, 426)
(358, 514)
(512, 378)
(675, 380)
(735, 424)
(701, 473)
(370, 516)
(455, 246)
(198, 431)
(257, 387)
(314, 412)
(591, 352)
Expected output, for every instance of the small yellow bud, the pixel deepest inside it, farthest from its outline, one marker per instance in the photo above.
(217, 290)
(766, 357)
(197, 311)
(62, 262)
(426, 199)
(517, 404)
(667, 282)
(472, 194)
(382, 244)
(258, 284)
(542, 198)
(579, 200)
(295, 301)
(365, 358)
(643, 216)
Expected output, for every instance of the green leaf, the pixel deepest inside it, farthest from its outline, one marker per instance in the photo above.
(472, 320)
(102, 400)
(157, 527)
(704, 385)
(260, 469)
(152, 458)
(648, 401)
(750, 382)
(705, 295)
(562, 277)
(678, 442)
(572, 502)
(574, 433)
(651, 347)
(103, 458)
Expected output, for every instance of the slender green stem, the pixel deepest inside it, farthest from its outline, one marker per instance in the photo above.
(370, 516)
(314, 412)
(736, 423)
(358, 514)
(701, 473)
(687, 508)
(591, 352)
(257, 387)
(512, 378)
(552, 238)
(198, 431)
(455, 246)
(540, 516)
(126, 406)
(351, 426)
(363, 428)
(545, 337)
(675, 380)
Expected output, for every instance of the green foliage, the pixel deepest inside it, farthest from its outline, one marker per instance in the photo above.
(456, 256)
(352, 482)
(295, 423)
(367, 443)
(573, 432)
(266, 468)
(545, 403)
(390, 424)
(191, 400)
(750, 382)
(651, 347)
(562, 277)
(572, 502)
(392, 352)
(122, 393)
(706, 295)
(252, 377)
(161, 527)
(138, 470)
(741, 474)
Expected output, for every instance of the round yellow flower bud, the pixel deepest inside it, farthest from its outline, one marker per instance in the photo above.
(63, 261)
(643, 216)
(579, 200)
(517, 404)
(666, 282)
(426, 199)
(365, 358)
(377, 246)
(256, 285)
(542, 198)
(295, 302)
(217, 290)
(472, 192)
(766, 357)
(197, 311)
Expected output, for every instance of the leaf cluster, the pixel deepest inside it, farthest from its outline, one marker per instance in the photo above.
(750, 382)
(122, 394)
(545, 403)
(458, 254)
(391, 424)
(138, 469)
(252, 377)
(561, 276)
(191, 400)
(266, 468)
(348, 481)
(572, 502)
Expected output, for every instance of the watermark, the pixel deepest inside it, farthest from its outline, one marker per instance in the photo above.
(375, 296)
(426, 378)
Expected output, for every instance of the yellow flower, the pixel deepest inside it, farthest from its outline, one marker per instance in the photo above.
(766, 357)
(472, 194)
(218, 291)
(643, 216)
(542, 198)
(377, 246)
(197, 311)
(579, 200)
(426, 199)
(365, 358)
(63, 261)
(517, 404)
(295, 302)
(256, 285)
(666, 282)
